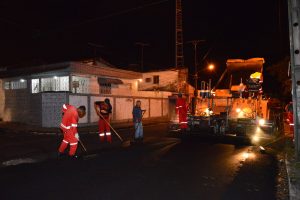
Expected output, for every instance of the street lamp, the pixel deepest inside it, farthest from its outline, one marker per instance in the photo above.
(211, 67)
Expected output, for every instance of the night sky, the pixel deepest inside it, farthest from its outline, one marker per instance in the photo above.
(55, 30)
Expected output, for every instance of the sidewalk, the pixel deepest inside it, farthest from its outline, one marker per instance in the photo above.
(292, 166)
(19, 127)
(293, 171)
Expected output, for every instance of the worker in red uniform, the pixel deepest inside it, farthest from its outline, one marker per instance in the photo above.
(65, 108)
(181, 110)
(69, 128)
(103, 110)
(290, 117)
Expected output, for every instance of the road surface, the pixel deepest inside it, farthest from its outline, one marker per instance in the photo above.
(166, 166)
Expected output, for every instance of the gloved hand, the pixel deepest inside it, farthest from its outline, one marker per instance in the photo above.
(77, 136)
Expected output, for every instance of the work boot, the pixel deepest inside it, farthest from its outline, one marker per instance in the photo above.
(140, 140)
(61, 155)
(74, 157)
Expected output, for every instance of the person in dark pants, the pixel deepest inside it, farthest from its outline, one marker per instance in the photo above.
(137, 114)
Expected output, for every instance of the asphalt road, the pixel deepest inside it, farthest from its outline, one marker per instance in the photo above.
(164, 167)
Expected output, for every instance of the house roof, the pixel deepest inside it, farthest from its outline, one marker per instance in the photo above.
(98, 68)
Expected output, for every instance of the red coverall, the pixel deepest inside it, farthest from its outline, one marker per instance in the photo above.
(69, 129)
(181, 109)
(290, 117)
(65, 108)
(104, 129)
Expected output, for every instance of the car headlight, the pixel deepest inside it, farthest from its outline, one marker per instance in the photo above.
(261, 122)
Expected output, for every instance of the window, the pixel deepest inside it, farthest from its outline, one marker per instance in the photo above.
(6, 85)
(80, 84)
(55, 84)
(19, 84)
(148, 80)
(35, 85)
(105, 88)
(156, 79)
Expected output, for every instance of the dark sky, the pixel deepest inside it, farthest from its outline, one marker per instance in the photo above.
(56, 30)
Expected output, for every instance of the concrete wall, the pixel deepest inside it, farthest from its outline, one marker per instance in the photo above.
(51, 108)
(155, 107)
(2, 100)
(16, 105)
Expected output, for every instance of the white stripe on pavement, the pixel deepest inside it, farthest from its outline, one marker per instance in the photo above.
(18, 161)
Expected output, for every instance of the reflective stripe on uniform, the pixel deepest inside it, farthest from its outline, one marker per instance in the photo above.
(64, 106)
(74, 125)
(102, 134)
(108, 133)
(72, 144)
(65, 141)
(183, 122)
(291, 124)
(66, 127)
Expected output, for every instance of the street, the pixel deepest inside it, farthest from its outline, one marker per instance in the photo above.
(166, 166)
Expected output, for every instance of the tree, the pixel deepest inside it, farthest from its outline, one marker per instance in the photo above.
(280, 72)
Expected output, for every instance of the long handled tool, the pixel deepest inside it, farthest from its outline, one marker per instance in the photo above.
(81, 144)
(87, 156)
(121, 139)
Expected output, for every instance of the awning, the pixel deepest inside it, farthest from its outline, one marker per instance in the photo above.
(109, 81)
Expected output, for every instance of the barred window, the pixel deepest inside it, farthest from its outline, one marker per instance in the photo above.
(148, 80)
(19, 84)
(105, 88)
(55, 84)
(155, 79)
(6, 85)
(35, 85)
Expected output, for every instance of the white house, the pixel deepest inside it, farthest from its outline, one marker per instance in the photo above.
(35, 95)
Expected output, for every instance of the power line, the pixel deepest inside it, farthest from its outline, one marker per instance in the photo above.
(116, 14)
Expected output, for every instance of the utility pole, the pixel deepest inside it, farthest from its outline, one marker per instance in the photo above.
(142, 45)
(195, 44)
(179, 59)
(294, 30)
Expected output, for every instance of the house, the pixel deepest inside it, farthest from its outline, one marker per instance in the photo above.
(35, 95)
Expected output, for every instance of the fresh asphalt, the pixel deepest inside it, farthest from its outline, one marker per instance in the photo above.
(165, 166)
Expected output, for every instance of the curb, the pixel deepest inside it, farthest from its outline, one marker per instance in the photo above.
(294, 191)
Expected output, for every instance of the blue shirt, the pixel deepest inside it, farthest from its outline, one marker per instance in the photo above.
(137, 114)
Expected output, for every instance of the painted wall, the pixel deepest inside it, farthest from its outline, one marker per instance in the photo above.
(167, 81)
(124, 108)
(155, 108)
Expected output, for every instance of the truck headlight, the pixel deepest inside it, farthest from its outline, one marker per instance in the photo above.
(261, 122)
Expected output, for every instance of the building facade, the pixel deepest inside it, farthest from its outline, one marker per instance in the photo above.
(36, 96)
